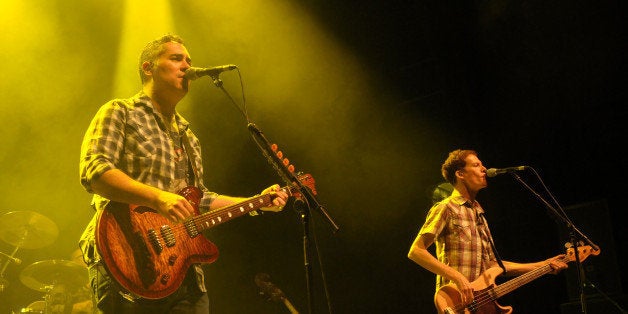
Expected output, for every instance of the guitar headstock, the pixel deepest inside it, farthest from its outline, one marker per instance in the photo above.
(583, 252)
(306, 180)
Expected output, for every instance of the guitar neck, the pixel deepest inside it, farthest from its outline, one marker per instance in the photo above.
(517, 282)
(224, 214)
(215, 217)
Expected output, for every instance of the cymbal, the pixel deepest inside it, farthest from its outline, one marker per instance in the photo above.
(27, 229)
(35, 307)
(51, 274)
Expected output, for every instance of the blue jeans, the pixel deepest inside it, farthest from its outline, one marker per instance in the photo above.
(111, 299)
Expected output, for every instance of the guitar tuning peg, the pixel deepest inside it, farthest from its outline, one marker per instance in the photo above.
(291, 168)
(286, 162)
(280, 154)
(273, 147)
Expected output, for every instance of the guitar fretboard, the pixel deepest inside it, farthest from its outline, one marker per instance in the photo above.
(221, 215)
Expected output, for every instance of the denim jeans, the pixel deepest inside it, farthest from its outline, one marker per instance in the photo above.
(111, 299)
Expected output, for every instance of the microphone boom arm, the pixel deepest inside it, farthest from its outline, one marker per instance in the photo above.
(563, 217)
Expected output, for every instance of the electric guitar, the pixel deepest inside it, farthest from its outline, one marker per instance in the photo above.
(448, 301)
(149, 255)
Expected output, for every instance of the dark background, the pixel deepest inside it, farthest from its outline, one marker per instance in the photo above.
(536, 83)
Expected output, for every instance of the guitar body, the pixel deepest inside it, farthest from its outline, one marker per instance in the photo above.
(146, 253)
(448, 301)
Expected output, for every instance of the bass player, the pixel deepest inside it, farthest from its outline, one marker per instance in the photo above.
(464, 246)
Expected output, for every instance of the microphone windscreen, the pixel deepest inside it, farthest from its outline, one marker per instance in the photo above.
(491, 172)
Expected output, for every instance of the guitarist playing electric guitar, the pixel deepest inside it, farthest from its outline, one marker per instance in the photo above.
(143, 164)
(464, 246)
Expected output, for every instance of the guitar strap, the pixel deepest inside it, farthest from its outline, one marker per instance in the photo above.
(191, 164)
(490, 240)
(200, 275)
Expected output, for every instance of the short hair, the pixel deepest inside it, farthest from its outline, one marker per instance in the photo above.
(154, 49)
(454, 162)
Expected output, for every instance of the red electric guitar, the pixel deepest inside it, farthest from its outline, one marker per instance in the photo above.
(149, 255)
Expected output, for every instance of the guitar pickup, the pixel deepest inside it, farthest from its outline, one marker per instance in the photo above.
(164, 279)
(154, 241)
(191, 228)
(168, 235)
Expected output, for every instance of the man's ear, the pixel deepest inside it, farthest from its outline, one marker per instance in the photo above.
(147, 67)
(459, 174)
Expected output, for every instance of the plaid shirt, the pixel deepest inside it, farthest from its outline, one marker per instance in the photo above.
(461, 236)
(129, 135)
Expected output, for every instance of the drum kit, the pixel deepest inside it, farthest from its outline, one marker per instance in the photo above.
(58, 279)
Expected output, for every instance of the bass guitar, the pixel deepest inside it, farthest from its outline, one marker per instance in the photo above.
(149, 255)
(448, 301)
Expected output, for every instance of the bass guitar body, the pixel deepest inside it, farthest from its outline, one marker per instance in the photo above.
(447, 299)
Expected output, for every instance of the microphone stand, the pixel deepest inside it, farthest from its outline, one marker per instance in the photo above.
(10, 258)
(289, 178)
(304, 211)
(574, 235)
(218, 82)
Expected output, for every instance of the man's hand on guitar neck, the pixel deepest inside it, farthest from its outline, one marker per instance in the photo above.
(557, 263)
(279, 198)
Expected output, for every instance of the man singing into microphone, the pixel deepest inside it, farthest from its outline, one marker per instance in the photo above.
(141, 151)
(464, 246)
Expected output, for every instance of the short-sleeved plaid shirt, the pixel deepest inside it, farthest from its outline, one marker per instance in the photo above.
(461, 236)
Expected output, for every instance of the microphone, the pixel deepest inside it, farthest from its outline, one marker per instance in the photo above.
(495, 171)
(193, 73)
